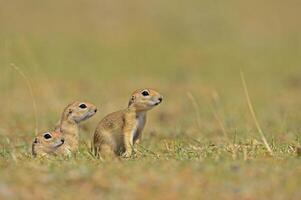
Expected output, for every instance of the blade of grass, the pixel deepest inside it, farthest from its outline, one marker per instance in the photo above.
(216, 115)
(148, 150)
(251, 109)
(214, 103)
(30, 88)
(196, 108)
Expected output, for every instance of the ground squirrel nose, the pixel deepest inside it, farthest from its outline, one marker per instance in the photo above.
(63, 140)
(95, 110)
(160, 99)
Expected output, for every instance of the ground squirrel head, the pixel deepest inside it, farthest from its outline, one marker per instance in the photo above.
(77, 112)
(47, 143)
(145, 99)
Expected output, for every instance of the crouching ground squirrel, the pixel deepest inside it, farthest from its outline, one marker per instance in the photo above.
(68, 129)
(117, 133)
(48, 143)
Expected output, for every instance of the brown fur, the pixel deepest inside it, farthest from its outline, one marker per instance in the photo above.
(43, 146)
(69, 124)
(118, 132)
(68, 129)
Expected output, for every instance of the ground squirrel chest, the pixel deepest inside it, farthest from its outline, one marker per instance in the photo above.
(139, 125)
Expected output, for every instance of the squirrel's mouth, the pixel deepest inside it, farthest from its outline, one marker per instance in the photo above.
(87, 116)
(58, 144)
(157, 103)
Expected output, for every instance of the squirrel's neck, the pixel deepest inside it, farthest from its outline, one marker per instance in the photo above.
(69, 128)
(138, 113)
(70, 131)
(141, 115)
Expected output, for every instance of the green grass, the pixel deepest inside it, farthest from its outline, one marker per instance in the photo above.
(201, 142)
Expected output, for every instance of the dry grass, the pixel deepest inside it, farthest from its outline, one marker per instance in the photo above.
(203, 145)
(251, 108)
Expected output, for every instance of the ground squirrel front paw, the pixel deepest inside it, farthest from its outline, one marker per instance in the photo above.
(127, 154)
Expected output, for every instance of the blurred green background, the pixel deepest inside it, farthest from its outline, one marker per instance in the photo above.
(101, 51)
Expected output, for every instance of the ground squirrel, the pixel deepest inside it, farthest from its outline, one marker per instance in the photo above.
(47, 143)
(117, 133)
(73, 114)
(68, 128)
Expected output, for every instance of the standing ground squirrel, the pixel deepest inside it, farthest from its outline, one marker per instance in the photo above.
(117, 133)
(68, 129)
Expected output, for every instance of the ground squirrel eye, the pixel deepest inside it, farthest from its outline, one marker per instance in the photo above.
(83, 106)
(145, 93)
(47, 136)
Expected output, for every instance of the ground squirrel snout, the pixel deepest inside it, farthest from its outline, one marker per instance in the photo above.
(47, 143)
(118, 132)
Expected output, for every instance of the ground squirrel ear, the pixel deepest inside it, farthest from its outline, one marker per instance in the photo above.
(132, 100)
(69, 112)
(33, 147)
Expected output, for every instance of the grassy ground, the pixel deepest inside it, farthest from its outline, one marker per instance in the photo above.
(201, 143)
